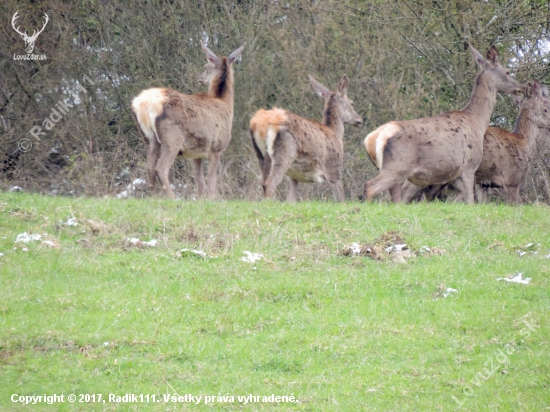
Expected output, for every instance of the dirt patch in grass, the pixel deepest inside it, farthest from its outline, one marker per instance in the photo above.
(391, 246)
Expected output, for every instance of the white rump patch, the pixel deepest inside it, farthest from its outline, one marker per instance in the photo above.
(387, 131)
(259, 141)
(147, 107)
(270, 140)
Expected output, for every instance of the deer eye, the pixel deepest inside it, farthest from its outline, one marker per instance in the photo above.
(508, 72)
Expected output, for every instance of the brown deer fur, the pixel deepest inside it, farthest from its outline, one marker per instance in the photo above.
(306, 150)
(506, 155)
(440, 149)
(195, 126)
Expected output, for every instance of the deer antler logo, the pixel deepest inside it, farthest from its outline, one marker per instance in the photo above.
(29, 41)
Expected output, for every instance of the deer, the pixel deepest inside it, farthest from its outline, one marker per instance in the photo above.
(505, 160)
(195, 126)
(444, 148)
(29, 40)
(305, 150)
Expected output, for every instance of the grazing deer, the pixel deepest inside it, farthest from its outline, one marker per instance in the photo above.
(196, 126)
(506, 155)
(306, 150)
(440, 149)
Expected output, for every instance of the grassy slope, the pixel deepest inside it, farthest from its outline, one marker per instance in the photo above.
(340, 333)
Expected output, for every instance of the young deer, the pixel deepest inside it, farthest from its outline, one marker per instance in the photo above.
(196, 126)
(440, 149)
(505, 155)
(306, 150)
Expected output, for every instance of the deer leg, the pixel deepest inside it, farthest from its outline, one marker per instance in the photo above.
(165, 162)
(153, 152)
(382, 182)
(433, 192)
(284, 153)
(480, 193)
(410, 192)
(264, 160)
(337, 190)
(199, 176)
(465, 184)
(395, 193)
(265, 168)
(293, 191)
(212, 175)
(513, 195)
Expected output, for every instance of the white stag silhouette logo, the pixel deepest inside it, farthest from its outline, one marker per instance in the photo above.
(29, 40)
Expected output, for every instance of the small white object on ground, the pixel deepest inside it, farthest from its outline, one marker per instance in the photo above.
(48, 243)
(517, 278)
(355, 248)
(251, 257)
(521, 253)
(135, 241)
(396, 248)
(1, 254)
(193, 252)
(16, 189)
(548, 256)
(71, 222)
(26, 238)
(449, 291)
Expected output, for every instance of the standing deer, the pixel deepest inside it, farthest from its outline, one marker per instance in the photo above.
(440, 149)
(506, 155)
(196, 126)
(306, 150)
(29, 40)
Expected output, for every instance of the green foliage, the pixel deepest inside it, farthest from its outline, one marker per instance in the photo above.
(342, 333)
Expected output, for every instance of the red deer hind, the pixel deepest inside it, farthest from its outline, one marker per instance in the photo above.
(440, 149)
(505, 155)
(196, 126)
(306, 150)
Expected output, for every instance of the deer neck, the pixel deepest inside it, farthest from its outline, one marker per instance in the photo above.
(526, 127)
(483, 99)
(332, 117)
(221, 86)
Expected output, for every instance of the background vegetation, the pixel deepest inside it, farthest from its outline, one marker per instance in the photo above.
(405, 59)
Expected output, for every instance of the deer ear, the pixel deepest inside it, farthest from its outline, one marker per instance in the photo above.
(529, 90)
(319, 88)
(477, 56)
(537, 88)
(235, 55)
(210, 55)
(492, 55)
(343, 85)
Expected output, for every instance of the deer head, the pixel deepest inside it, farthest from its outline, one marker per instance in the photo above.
(501, 75)
(538, 104)
(214, 63)
(343, 102)
(29, 41)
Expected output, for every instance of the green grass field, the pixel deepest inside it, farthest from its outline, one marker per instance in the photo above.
(96, 315)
